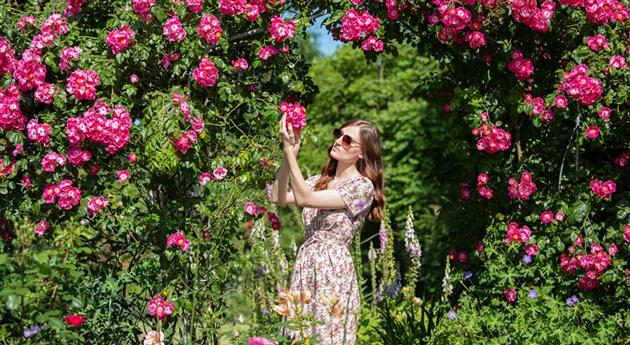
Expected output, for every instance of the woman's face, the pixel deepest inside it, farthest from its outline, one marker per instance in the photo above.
(347, 152)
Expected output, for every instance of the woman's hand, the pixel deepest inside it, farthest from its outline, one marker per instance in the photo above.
(290, 139)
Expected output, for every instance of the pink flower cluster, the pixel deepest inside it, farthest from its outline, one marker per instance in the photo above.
(82, 84)
(275, 221)
(520, 66)
(45, 93)
(11, 117)
(96, 204)
(603, 190)
(617, 61)
(603, 11)
(281, 29)
(178, 239)
(528, 13)
(357, 25)
(167, 59)
(251, 10)
(597, 42)
(240, 64)
(206, 74)
(194, 6)
(260, 341)
(592, 132)
(460, 256)
(522, 189)
(516, 233)
(580, 86)
(183, 106)
(209, 29)
(94, 126)
(39, 133)
(538, 106)
(482, 181)
(492, 138)
(41, 228)
(77, 156)
(122, 176)
(266, 52)
(531, 249)
(626, 233)
(67, 55)
(173, 30)
(604, 113)
(185, 141)
(143, 8)
(26, 21)
(121, 39)
(73, 7)
(372, 44)
(295, 115)
(7, 56)
(475, 39)
(64, 193)
(510, 294)
(55, 25)
(29, 72)
(622, 160)
(219, 173)
(51, 160)
(160, 308)
(254, 210)
(594, 264)
(547, 216)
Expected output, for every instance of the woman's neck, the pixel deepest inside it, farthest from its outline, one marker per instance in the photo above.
(345, 171)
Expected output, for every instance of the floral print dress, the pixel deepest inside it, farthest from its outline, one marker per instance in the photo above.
(324, 267)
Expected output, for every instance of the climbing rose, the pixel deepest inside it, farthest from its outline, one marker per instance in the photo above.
(603, 189)
(592, 132)
(210, 29)
(160, 308)
(295, 115)
(281, 29)
(510, 294)
(41, 228)
(206, 74)
(178, 239)
(82, 84)
(173, 30)
(121, 39)
(220, 172)
(520, 66)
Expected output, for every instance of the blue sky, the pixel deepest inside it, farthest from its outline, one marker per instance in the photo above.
(326, 44)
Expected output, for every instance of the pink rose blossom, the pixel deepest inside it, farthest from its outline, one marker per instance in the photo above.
(178, 239)
(546, 217)
(41, 228)
(250, 208)
(173, 30)
(592, 132)
(206, 74)
(205, 178)
(510, 294)
(160, 308)
(603, 189)
(220, 173)
(531, 249)
(122, 176)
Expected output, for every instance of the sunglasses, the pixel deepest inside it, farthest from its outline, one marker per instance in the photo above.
(346, 141)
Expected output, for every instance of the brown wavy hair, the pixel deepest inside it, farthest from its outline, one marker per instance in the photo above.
(369, 166)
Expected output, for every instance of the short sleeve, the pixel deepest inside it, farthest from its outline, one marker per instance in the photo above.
(312, 181)
(357, 194)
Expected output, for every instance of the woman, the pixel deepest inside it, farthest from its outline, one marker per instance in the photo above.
(336, 203)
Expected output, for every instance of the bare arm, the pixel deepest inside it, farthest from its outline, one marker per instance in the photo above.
(280, 194)
(302, 195)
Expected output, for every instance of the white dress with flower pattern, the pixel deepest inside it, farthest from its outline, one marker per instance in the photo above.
(324, 265)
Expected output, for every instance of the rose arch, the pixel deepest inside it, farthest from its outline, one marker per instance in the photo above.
(137, 138)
